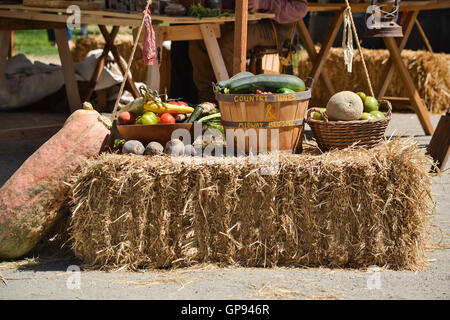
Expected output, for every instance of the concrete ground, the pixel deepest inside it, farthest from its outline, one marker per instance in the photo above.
(46, 277)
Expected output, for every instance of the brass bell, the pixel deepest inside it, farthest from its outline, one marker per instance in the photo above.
(380, 22)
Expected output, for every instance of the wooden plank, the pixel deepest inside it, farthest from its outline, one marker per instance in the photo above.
(361, 7)
(12, 44)
(326, 45)
(180, 33)
(388, 70)
(62, 4)
(4, 38)
(240, 36)
(22, 24)
(215, 55)
(73, 95)
(400, 101)
(416, 101)
(439, 147)
(85, 18)
(312, 53)
(28, 133)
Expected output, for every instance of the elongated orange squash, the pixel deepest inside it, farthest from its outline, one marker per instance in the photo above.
(36, 195)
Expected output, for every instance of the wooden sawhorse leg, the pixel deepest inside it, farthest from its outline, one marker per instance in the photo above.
(414, 97)
(215, 55)
(100, 64)
(312, 53)
(73, 95)
(395, 46)
(110, 42)
(321, 58)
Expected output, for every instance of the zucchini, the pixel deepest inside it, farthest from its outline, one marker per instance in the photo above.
(266, 82)
(195, 114)
(209, 117)
(240, 75)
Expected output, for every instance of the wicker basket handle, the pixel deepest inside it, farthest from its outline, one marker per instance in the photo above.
(386, 103)
(311, 110)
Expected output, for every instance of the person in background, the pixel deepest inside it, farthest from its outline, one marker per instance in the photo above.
(261, 33)
(52, 39)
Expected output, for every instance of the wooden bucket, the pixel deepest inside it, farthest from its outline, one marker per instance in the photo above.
(285, 113)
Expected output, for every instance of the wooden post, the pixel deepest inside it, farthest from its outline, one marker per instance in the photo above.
(4, 38)
(439, 147)
(11, 45)
(240, 36)
(215, 55)
(73, 95)
(416, 101)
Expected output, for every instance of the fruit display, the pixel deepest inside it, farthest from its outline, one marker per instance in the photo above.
(349, 106)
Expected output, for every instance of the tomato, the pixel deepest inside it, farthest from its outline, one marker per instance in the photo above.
(178, 103)
(167, 118)
(258, 91)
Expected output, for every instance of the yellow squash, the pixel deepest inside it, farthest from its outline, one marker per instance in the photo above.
(161, 107)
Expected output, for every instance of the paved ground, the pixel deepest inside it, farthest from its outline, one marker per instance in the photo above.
(47, 278)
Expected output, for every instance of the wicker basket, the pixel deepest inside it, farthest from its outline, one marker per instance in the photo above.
(342, 134)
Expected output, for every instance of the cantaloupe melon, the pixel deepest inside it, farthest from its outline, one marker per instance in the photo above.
(345, 105)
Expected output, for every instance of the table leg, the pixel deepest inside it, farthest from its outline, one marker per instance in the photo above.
(439, 147)
(100, 64)
(73, 95)
(215, 55)
(388, 71)
(4, 38)
(312, 53)
(413, 94)
(129, 82)
(326, 45)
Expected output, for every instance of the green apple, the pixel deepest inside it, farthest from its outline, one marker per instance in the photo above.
(378, 114)
(370, 104)
(362, 95)
(367, 116)
(318, 115)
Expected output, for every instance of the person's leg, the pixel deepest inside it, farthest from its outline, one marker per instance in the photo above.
(203, 73)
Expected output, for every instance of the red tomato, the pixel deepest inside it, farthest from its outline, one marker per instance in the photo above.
(258, 92)
(181, 103)
(173, 102)
(166, 118)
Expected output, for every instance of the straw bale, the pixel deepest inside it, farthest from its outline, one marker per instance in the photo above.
(124, 43)
(344, 208)
(429, 71)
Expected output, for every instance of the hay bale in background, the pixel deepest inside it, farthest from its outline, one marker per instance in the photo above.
(124, 43)
(345, 208)
(430, 73)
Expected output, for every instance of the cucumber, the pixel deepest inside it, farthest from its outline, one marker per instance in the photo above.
(266, 82)
(240, 75)
(195, 114)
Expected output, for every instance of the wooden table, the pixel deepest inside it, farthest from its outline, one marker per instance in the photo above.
(394, 45)
(19, 17)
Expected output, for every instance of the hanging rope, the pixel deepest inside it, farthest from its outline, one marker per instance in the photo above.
(130, 60)
(348, 12)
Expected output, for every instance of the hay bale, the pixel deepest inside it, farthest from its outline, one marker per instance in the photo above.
(345, 208)
(429, 71)
(124, 43)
